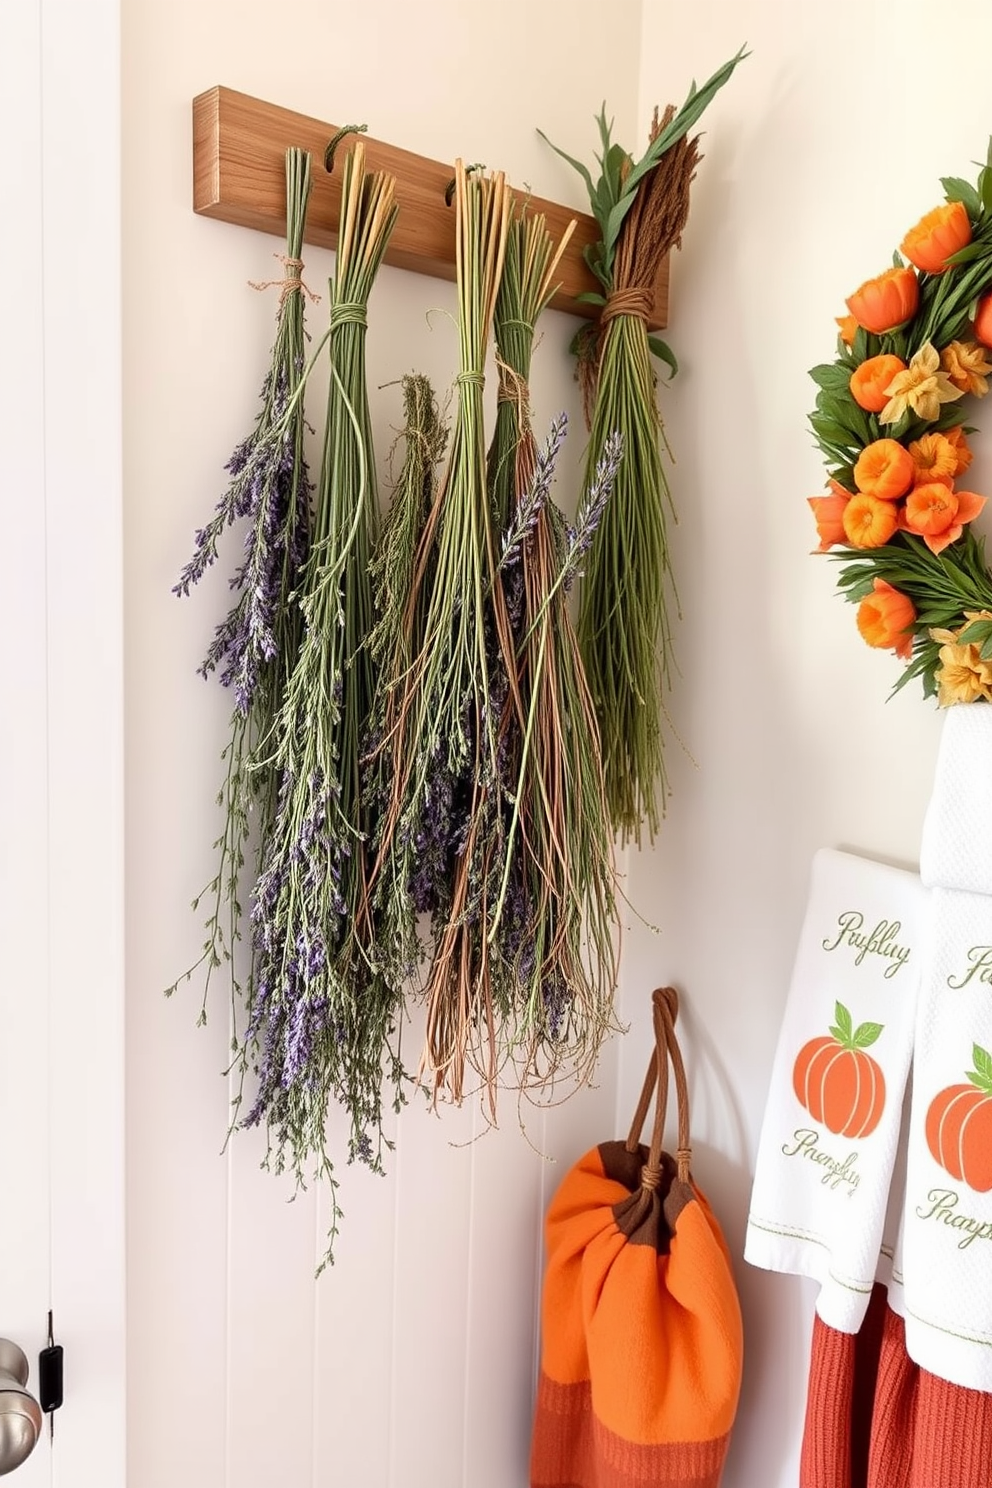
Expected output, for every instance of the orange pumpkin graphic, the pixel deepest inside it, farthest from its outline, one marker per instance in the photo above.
(959, 1126)
(837, 1082)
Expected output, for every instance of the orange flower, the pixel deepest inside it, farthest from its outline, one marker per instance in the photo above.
(930, 509)
(938, 514)
(888, 301)
(956, 438)
(870, 381)
(983, 320)
(828, 513)
(936, 236)
(885, 617)
(885, 469)
(847, 325)
(965, 365)
(935, 459)
(869, 522)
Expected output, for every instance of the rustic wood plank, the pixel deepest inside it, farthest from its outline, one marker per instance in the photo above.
(239, 146)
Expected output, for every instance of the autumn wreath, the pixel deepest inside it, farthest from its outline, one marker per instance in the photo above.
(891, 420)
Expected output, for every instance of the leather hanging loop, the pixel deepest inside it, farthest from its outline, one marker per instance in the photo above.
(665, 1009)
(683, 1152)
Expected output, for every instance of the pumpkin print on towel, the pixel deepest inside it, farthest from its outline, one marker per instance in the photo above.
(837, 1082)
(959, 1126)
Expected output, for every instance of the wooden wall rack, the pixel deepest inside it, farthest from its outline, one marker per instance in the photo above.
(239, 146)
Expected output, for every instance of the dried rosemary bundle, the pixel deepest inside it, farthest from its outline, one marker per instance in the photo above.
(554, 920)
(254, 648)
(624, 626)
(321, 1018)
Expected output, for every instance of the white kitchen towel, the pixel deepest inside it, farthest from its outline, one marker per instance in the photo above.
(956, 844)
(947, 1231)
(831, 1127)
(889, 1270)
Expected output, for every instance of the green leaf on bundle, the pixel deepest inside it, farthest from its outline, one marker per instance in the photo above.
(829, 375)
(664, 353)
(977, 632)
(613, 195)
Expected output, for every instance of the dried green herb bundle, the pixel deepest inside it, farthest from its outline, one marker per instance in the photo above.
(554, 919)
(486, 766)
(444, 745)
(624, 626)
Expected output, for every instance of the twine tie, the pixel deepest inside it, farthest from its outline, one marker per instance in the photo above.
(291, 283)
(637, 303)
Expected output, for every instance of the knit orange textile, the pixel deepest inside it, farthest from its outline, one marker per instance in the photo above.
(874, 1419)
(642, 1341)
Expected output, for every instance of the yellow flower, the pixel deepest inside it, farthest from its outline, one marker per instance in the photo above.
(962, 677)
(965, 365)
(923, 387)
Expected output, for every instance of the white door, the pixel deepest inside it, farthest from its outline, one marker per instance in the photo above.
(61, 881)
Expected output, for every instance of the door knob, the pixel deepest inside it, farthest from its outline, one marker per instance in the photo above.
(20, 1413)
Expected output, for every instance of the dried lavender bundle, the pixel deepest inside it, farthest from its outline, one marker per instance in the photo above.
(254, 646)
(554, 921)
(445, 743)
(322, 1019)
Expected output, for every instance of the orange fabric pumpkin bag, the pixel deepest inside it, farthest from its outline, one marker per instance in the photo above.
(642, 1344)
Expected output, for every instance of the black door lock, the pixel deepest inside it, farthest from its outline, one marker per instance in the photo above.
(50, 1377)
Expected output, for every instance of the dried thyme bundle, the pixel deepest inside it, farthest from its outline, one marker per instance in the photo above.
(399, 598)
(554, 919)
(624, 627)
(321, 1018)
(254, 648)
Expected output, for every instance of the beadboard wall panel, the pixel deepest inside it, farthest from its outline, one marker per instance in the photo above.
(354, 1303)
(271, 1321)
(411, 1362)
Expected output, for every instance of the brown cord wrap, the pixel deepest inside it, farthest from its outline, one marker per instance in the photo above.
(292, 283)
(665, 1004)
(636, 302)
(513, 388)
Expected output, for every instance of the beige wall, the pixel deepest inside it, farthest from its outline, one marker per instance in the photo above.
(828, 145)
(410, 1365)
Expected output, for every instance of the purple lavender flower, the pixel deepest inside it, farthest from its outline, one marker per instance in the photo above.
(580, 537)
(271, 488)
(530, 504)
(556, 997)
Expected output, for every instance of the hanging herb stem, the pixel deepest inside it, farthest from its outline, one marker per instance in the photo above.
(255, 646)
(322, 1018)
